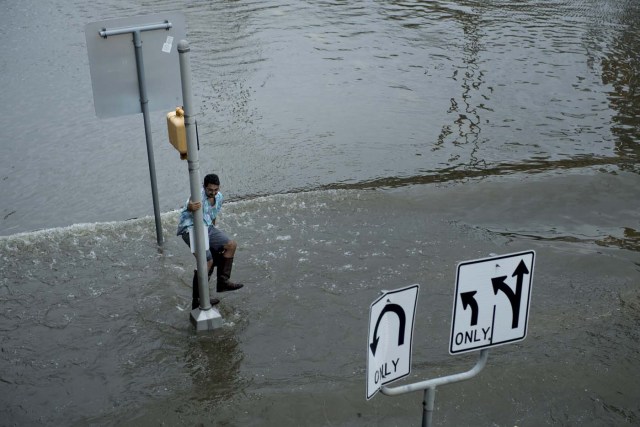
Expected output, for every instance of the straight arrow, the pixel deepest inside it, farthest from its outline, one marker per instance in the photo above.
(514, 297)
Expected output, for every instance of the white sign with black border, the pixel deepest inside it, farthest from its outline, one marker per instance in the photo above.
(491, 305)
(389, 342)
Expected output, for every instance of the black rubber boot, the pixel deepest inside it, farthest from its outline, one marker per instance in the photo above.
(217, 262)
(224, 276)
(195, 293)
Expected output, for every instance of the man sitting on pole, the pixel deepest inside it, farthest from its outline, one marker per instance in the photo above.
(221, 249)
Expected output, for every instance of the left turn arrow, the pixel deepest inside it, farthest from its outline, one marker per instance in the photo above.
(468, 299)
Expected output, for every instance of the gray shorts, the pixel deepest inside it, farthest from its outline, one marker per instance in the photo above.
(217, 240)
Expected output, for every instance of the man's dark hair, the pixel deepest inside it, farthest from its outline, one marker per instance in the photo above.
(212, 178)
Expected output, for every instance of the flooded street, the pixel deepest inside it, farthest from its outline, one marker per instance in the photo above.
(362, 147)
(112, 331)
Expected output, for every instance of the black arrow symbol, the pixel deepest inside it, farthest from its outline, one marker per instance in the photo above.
(469, 300)
(401, 316)
(514, 297)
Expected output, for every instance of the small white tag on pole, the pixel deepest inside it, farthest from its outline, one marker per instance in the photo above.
(166, 47)
(192, 239)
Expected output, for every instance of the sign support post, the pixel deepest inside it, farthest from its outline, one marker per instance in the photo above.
(144, 106)
(205, 317)
(429, 387)
(120, 83)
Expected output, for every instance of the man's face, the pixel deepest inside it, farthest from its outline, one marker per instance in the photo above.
(211, 190)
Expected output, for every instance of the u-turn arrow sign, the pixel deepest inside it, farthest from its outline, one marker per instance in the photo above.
(391, 319)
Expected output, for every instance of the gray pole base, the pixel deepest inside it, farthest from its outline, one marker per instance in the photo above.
(206, 320)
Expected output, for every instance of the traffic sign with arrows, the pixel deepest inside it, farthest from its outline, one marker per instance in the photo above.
(389, 342)
(491, 304)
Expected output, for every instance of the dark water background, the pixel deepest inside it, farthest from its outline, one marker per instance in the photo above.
(362, 146)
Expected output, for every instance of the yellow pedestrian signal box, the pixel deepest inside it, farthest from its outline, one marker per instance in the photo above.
(177, 132)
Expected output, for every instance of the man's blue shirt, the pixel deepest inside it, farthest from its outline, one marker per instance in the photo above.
(209, 212)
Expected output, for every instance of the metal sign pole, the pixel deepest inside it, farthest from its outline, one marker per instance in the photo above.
(205, 317)
(428, 403)
(144, 105)
(430, 386)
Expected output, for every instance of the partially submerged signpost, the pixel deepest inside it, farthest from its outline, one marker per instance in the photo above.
(121, 83)
(205, 317)
(491, 308)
